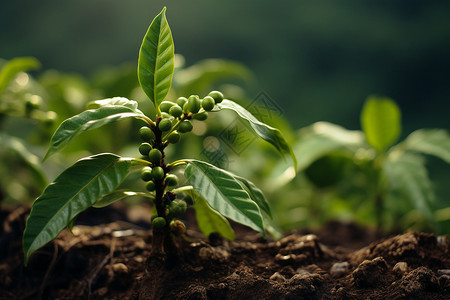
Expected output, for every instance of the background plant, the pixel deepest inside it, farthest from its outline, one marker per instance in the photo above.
(93, 181)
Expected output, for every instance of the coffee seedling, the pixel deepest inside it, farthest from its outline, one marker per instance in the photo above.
(92, 181)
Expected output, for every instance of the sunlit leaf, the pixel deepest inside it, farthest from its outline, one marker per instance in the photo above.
(72, 192)
(88, 120)
(133, 105)
(14, 66)
(224, 194)
(430, 141)
(255, 194)
(116, 196)
(156, 60)
(266, 132)
(381, 122)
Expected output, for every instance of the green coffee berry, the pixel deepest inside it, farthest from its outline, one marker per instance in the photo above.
(174, 210)
(159, 222)
(146, 174)
(177, 227)
(145, 148)
(181, 204)
(176, 111)
(150, 186)
(165, 115)
(155, 156)
(217, 96)
(185, 126)
(208, 103)
(171, 180)
(165, 106)
(174, 137)
(193, 104)
(181, 101)
(201, 116)
(165, 125)
(157, 173)
(146, 134)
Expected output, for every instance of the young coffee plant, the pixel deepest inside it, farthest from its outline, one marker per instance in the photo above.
(93, 181)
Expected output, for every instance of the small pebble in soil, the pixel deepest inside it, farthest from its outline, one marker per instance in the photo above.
(441, 240)
(400, 268)
(339, 269)
(443, 272)
(277, 277)
(302, 272)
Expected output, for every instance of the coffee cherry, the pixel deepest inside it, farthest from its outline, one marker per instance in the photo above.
(146, 134)
(193, 104)
(150, 186)
(181, 204)
(176, 111)
(145, 148)
(159, 222)
(217, 96)
(171, 180)
(165, 125)
(185, 126)
(174, 210)
(157, 173)
(208, 103)
(181, 101)
(146, 174)
(165, 115)
(201, 116)
(165, 106)
(155, 156)
(174, 137)
(177, 227)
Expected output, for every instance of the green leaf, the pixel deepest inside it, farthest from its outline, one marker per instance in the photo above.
(381, 122)
(255, 194)
(266, 132)
(14, 66)
(19, 147)
(116, 196)
(224, 193)
(409, 178)
(72, 192)
(133, 105)
(88, 120)
(430, 141)
(209, 220)
(156, 60)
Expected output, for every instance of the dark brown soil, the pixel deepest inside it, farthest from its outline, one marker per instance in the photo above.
(107, 261)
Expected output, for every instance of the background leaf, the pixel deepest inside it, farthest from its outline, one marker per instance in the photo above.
(224, 193)
(73, 191)
(266, 132)
(156, 60)
(381, 122)
(14, 66)
(87, 120)
(209, 220)
(430, 141)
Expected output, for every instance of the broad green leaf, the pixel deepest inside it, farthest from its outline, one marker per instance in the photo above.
(14, 66)
(87, 120)
(209, 220)
(224, 194)
(72, 192)
(266, 132)
(116, 196)
(19, 147)
(156, 60)
(408, 177)
(133, 105)
(255, 194)
(381, 122)
(430, 141)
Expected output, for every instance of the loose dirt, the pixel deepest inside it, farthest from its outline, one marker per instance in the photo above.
(106, 260)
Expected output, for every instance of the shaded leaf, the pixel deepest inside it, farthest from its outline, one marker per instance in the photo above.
(430, 141)
(88, 120)
(255, 194)
(14, 66)
(381, 122)
(116, 196)
(73, 191)
(156, 60)
(266, 132)
(224, 194)
(208, 220)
